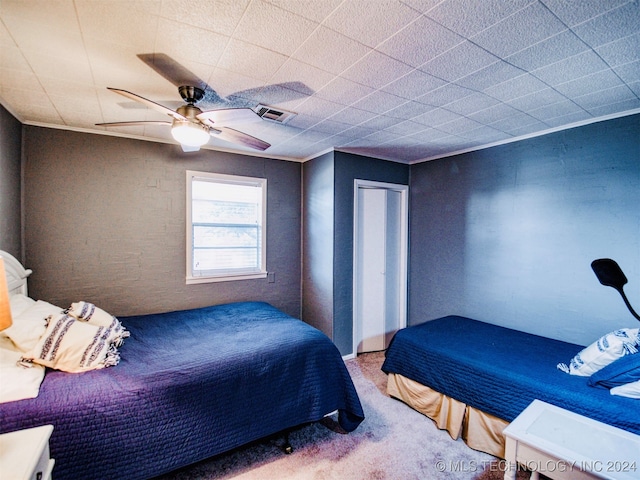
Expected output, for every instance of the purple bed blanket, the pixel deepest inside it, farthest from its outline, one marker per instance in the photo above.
(190, 384)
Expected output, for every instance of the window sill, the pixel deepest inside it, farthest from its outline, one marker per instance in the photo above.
(225, 278)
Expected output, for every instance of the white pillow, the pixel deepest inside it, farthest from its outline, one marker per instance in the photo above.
(17, 382)
(19, 303)
(30, 325)
(631, 390)
(602, 352)
(74, 346)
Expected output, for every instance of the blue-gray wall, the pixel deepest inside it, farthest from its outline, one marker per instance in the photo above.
(105, 221)
(10, 191)
(348, 167)
(317, 245)
(507, 234)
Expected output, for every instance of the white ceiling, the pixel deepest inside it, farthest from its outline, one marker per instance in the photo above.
(404, 80)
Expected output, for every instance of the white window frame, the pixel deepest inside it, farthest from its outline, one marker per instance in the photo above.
(239, 274)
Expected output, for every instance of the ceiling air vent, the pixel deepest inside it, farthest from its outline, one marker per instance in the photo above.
(274, 115)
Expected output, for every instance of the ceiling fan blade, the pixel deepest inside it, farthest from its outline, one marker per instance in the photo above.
(131, 124)
(274, 94)
(171, 70)
(229, 116)
(235, 136)
(149, 103)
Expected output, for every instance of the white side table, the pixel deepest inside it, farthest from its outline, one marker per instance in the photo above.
(564, 445)
(24, 454)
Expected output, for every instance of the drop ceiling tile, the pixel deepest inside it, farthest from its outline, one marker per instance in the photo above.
(131, 23)
(218, 17)
(386, 70)
(515, 87)
(524, 28)
(469, 18)
(496, 113)
(515, 122)
(430, 135)
(116, 65)
(530, 101)
(414, 84)
(40, 13)
(273, 28)
(419, 42)
(330, 51)
(565, 107)
(250, 60)
(295, 70)
(564, 44)
(614, 108)
(492, 75)
(589, 84)
(370, 23)
(521, 130)
(460, 126)
(18, 79)
(352, 116)
(628, 72)
(311, 9)
(228, 84)
(343, 91)
(485, 134)
(621, 51)
(444, 95)
(436, 117)
(409, 110)
(613, 25)
(319, 107)
(460, 61)
(580, 65)
(406, 127)
(568, 119)
(634, 86)
(422, 6)
(574, 13)
(194, 45)
(599, 98)
(379, 122)
(40, 110)
(379, 102)
(473, 103)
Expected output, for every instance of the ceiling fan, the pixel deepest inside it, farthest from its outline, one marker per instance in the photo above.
(191, 126)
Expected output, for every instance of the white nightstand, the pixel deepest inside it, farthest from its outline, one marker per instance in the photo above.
(566, 446)
(24, 454)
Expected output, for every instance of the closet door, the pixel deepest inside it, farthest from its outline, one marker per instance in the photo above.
(380, 238)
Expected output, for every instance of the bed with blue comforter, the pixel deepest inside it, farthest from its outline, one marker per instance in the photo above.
(500, 371)
(189, 385)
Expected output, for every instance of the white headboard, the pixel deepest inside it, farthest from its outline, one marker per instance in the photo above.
(16, 274)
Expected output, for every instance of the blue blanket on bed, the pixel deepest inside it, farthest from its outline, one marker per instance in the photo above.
(190, 385)
(500, 370)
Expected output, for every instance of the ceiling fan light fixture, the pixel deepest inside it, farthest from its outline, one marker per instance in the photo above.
(189, 133)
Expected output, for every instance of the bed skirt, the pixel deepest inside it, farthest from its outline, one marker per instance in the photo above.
(478, 429)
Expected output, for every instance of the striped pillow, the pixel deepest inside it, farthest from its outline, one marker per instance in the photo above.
(74, 346)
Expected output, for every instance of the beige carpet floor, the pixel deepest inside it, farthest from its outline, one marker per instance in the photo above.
(394, 442)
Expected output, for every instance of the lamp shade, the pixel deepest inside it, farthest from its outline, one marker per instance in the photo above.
(5, 306)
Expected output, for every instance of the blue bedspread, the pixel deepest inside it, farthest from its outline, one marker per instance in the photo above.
(500, 370)
(190, 385)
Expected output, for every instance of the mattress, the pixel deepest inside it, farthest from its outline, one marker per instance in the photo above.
(190, 385)
(500, 370)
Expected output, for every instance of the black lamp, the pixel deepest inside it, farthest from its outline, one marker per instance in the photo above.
(610, 275)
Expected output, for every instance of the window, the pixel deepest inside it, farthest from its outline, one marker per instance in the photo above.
(226, 217)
